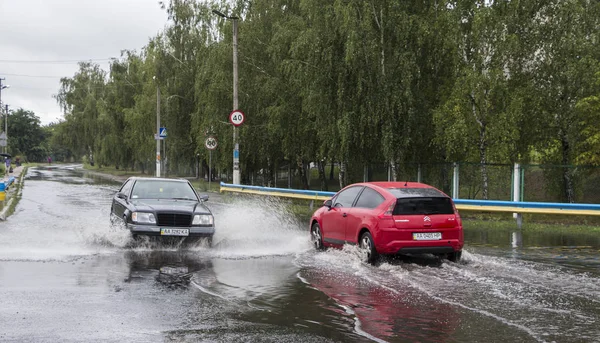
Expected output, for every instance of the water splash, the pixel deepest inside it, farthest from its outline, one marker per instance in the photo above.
(256, 228)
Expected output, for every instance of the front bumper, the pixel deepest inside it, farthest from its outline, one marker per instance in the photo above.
(150, 230)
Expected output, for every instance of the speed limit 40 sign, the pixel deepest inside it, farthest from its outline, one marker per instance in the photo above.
(237, 117)
(210, 143)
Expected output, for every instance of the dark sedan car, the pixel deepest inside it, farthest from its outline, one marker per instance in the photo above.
(163, 207)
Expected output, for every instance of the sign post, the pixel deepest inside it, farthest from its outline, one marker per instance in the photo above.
(162, 134)
(211, 144)
(236, 118)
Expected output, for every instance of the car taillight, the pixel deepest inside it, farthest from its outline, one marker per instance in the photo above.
(389, 213)
(456, 214)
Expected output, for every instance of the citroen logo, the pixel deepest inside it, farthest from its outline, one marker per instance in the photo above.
(426, 219)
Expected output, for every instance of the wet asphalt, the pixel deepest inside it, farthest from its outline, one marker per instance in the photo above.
(66, 275)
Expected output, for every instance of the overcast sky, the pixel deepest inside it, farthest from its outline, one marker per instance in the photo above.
(36, 34)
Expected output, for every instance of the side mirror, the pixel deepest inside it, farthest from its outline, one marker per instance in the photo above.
(204, 197)
(327, 203)
(122, 196)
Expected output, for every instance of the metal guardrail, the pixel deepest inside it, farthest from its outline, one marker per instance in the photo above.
(461, 204)
(278, 192)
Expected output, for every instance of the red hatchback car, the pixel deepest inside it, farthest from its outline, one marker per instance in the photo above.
(390, 218)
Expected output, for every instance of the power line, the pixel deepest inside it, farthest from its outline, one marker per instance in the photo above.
(58, 61)
(41, 76)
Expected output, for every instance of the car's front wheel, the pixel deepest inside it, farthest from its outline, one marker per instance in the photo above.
(368, 247)
(455, 256)
(316, 236)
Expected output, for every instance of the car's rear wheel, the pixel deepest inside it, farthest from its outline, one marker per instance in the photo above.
(368, 246)
(316, 236)
(455, 256)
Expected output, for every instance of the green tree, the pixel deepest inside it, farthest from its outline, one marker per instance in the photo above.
(81, 98)
(589, 148)
(569, 58)
(25, 135)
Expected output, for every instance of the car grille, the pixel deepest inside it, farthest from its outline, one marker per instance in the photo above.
(174, 219)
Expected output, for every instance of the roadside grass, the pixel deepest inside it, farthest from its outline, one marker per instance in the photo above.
(199, 184)
(15, 192)
(203, 186)
(511, 225)
(112, 170)
(532, 222)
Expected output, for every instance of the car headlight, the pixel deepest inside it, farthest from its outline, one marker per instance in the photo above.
(143, 218)
(203, 219)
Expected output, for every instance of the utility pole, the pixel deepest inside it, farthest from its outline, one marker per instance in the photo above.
(5, 118)
(157, 131)
(6, 128)
(236, 146)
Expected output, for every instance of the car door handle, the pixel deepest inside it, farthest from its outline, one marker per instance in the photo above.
(344, 215)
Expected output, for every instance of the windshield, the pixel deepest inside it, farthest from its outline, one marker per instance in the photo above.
(163, 189)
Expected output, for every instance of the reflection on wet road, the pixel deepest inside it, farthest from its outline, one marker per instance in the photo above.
(67, 275)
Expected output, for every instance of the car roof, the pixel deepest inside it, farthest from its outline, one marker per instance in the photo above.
(138, 178)
(399, 184)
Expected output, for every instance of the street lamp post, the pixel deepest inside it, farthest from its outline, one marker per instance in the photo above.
(6, 114)
(236, 147)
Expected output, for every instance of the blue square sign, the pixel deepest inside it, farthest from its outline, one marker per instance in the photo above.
(163, 132)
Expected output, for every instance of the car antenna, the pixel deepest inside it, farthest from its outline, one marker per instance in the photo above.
(405, 183)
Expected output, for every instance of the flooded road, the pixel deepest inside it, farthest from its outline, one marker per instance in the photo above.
(66, 275)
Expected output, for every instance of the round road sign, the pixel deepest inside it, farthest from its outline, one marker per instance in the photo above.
(237, 117)
(210, 143)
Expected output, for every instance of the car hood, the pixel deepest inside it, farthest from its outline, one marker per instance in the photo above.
(168, 205)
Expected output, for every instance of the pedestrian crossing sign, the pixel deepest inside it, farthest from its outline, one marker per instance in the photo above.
(163, 132)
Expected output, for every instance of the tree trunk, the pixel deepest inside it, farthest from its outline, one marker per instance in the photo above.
(331, 171)
(302, 168)
(482, 145)
(306, 180)
(205, 169)
(321, 168)
(342, 175)
(483, 161)
(394, 171)
(446, 188)
(567, 173)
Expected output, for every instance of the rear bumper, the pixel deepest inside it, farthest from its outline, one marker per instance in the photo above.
(420, 247)
(148, 230)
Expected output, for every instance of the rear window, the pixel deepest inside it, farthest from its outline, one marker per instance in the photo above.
(415, 192)
(425, 205)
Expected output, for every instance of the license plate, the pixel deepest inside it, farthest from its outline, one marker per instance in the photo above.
(174, 232)
(427, 236)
